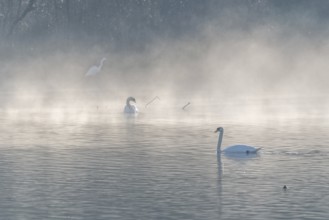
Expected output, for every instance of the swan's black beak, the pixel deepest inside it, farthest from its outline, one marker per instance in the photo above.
(216, 131)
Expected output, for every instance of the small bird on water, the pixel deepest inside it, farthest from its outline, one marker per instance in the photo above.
(285, 188)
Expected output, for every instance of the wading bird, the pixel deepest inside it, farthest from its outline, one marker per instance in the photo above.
(95, 69)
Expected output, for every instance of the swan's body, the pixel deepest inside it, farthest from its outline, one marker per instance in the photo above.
(129, 108)
(245, 149)
(95, 69)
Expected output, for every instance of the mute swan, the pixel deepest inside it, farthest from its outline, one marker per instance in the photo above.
(235, 148)
(95, 69)
(129, 108)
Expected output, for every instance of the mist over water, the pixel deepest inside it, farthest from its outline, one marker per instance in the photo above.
(227, 56)
(230, 56)
(258, 68)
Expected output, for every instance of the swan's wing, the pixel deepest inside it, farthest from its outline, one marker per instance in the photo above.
(130, 109)
(241, 149)
(127, 109)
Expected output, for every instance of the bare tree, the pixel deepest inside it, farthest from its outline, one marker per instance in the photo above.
(30, 7)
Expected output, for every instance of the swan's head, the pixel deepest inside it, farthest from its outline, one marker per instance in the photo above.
(219, 129)
(103, 59)
(131, 99)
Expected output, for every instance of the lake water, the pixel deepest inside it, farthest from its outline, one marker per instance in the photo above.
(98, 164)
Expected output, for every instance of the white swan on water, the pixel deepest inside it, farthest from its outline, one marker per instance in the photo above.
(130, 108)
(95, 69)
(245, 149)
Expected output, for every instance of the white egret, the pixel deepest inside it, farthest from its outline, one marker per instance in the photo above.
(95, 69)
(130, 108)
(244, 149)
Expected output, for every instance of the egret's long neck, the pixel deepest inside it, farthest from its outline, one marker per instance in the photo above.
(220, 138)
(101, 65)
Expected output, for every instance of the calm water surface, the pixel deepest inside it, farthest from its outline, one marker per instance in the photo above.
(102, 165)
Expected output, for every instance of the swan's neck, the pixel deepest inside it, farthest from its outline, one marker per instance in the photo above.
(101, 65)
(220, 138)
(128, 103)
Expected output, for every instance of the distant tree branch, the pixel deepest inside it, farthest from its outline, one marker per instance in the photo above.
(30, 7)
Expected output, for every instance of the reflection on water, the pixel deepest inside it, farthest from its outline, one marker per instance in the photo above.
(100, 165)
(219, 185)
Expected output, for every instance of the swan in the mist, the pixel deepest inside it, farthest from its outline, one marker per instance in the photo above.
(95, 69)
(244, 149)
(130, 108)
